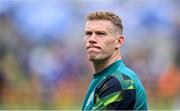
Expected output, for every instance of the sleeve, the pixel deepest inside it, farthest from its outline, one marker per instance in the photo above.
(109, 94)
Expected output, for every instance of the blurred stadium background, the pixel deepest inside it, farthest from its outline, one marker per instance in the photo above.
(43, 64)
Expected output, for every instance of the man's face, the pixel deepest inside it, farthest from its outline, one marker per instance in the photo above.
(100, 39)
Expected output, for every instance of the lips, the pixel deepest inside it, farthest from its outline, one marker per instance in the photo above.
(93, 46)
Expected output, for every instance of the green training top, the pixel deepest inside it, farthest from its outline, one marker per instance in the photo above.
(115, 88)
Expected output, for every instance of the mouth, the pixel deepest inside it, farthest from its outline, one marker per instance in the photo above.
(93, 47)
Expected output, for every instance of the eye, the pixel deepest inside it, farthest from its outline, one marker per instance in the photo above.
(101, 33)
(88, 33)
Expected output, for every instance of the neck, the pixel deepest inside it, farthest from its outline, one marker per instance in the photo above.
(100, 65)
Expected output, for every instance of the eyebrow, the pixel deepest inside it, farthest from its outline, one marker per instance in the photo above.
(98, 31)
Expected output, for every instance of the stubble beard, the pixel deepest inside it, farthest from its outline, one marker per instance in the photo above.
(97, 58)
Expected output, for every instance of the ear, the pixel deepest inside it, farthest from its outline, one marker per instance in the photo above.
(120, 41)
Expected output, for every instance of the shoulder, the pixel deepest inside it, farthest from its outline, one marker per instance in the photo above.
(127, 71)
(115, 82)
(111, 93)
(109, 85)
(128, 74)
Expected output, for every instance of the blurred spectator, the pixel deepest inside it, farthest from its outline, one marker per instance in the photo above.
(168, 84)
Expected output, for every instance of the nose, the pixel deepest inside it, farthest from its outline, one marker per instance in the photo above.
(92, 39)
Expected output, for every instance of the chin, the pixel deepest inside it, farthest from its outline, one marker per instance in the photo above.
(95, 59)
(98, 58)
(92, 59)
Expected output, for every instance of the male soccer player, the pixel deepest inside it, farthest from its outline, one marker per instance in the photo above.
(114, 86)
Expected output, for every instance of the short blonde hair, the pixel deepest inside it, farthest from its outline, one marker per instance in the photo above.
(105, 15)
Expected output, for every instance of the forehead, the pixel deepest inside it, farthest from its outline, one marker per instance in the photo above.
(98, 25)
